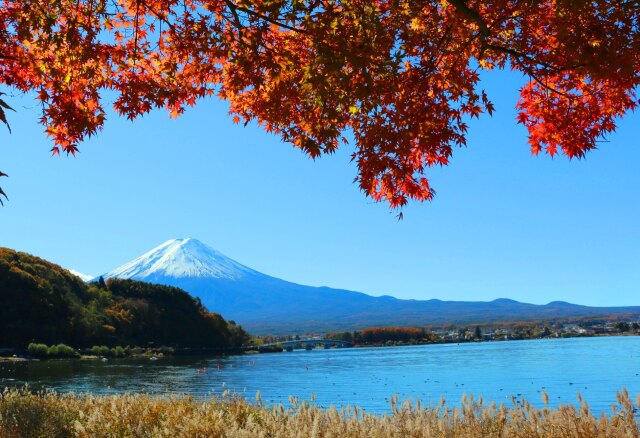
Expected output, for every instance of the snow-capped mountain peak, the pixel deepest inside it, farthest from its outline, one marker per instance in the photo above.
(179, 258)
(84, 277)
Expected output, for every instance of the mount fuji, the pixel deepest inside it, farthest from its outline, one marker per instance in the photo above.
(259, 302)
(265, 304)
(180, 259)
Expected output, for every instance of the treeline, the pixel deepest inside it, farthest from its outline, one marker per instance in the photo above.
(513, 331)
(587, 322)
(377, 335)
(40, 302)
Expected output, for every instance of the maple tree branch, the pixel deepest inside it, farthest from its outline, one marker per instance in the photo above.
(485, 32)
(158, 16)
(516, 54)
(234, 8)
(234, 11)
(547, 87)
(116, 6)
(238, 23)
(474, 16)
(136, 27)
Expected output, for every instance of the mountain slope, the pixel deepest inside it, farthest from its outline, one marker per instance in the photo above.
(265, 304)
(42, 302)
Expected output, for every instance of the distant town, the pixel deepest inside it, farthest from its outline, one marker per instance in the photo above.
(388, 336)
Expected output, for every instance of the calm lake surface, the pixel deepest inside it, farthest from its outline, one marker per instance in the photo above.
(369, 377)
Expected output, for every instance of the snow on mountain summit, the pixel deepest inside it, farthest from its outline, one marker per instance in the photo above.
(179, 258)
(84, 277)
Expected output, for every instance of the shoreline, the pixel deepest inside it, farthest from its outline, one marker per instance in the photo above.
(208, 352)
(478, 341)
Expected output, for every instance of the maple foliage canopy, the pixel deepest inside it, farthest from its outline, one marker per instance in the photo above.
(402, 76)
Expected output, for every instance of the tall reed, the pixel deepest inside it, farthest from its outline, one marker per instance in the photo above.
(46, 414)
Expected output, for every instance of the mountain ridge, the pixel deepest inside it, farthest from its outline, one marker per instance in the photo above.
(265, 304)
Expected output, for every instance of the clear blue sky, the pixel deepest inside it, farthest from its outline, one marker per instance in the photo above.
(503, 224)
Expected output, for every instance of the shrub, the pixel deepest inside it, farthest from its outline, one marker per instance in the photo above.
(62, 351)
(167, 351)
(100, 350)
(137, 351)
(37, 350)
(118, 352)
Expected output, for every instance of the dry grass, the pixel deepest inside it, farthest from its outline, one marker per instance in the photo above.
(23, 414)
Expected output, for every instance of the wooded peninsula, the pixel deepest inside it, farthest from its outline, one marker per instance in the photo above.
(42, 303)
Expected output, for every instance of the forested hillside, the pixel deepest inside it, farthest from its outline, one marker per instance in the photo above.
(42, 302)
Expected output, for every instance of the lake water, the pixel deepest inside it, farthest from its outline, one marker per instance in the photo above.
(369, 377)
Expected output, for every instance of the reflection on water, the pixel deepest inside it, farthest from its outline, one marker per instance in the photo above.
(368, 377)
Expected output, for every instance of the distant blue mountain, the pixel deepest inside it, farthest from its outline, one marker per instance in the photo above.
(265, 304)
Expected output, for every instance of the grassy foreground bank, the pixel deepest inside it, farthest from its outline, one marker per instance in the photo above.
(49, 415)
